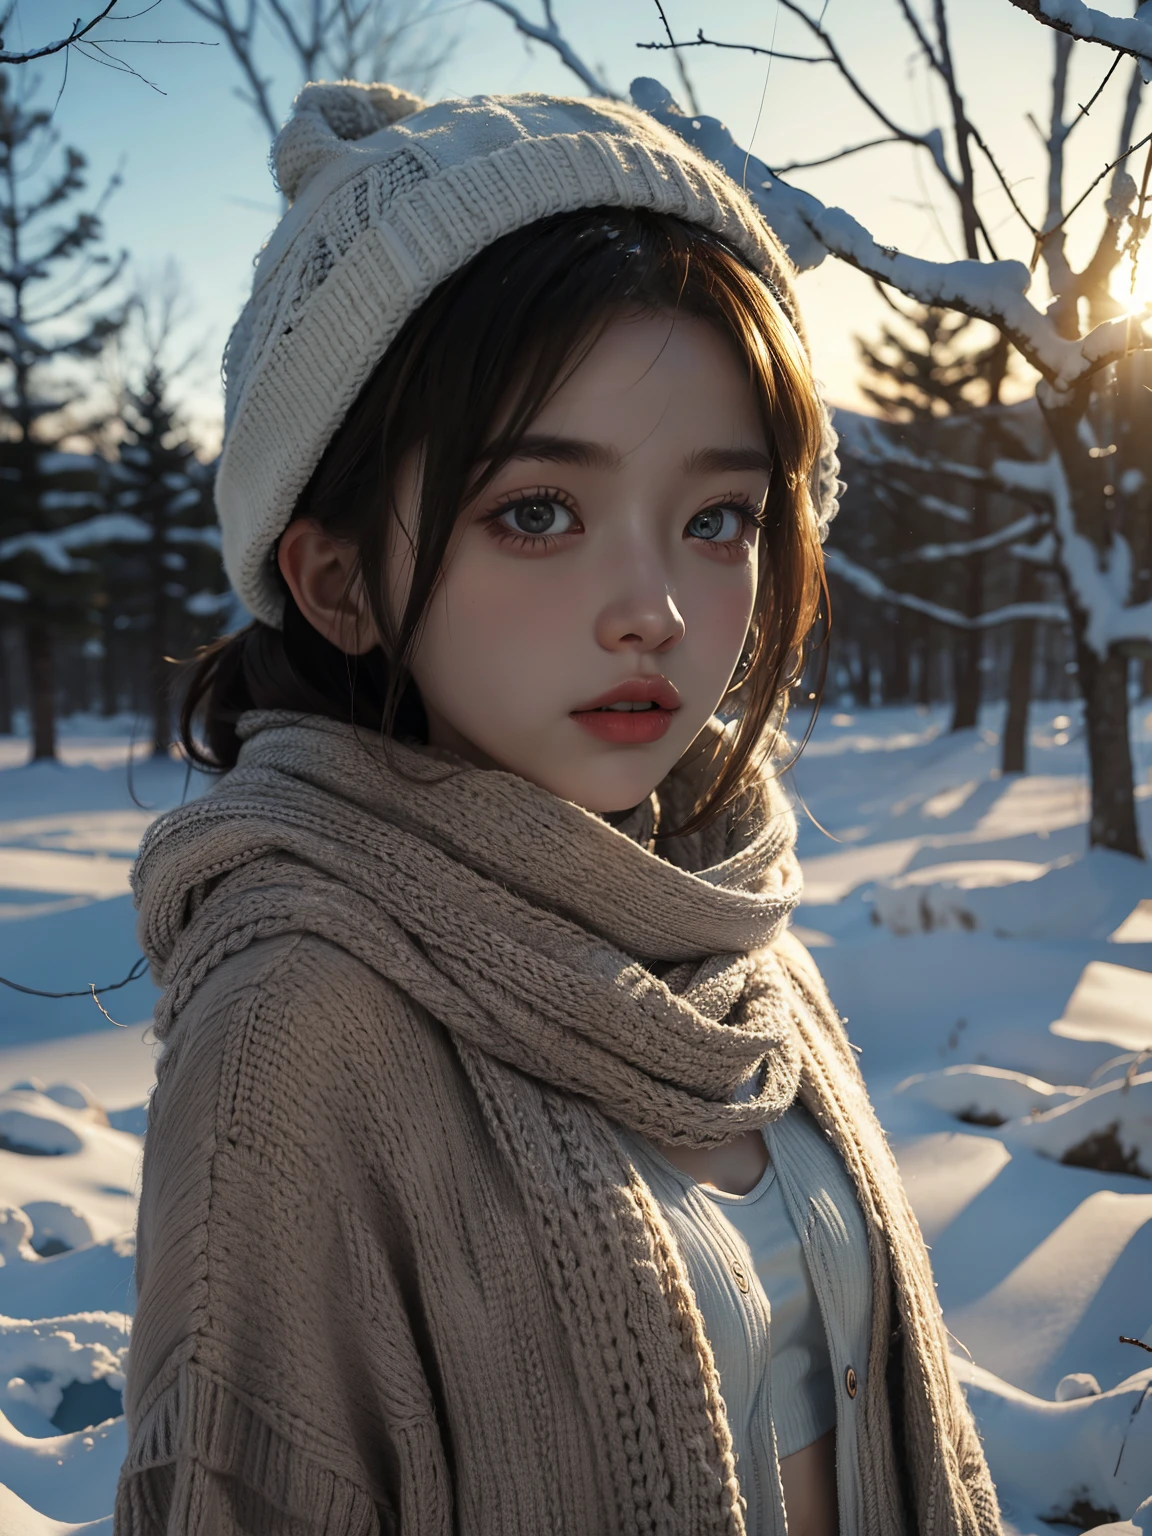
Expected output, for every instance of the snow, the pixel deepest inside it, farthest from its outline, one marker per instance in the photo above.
(1101, 580)
(993, 1047)
(867, 582)
(1127, 32)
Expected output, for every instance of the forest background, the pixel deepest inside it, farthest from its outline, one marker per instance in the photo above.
(967, 192)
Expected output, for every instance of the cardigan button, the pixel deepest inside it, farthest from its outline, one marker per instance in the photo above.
(740, 1274)
(850, 1382)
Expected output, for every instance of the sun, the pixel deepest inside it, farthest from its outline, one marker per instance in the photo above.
(1135, 297)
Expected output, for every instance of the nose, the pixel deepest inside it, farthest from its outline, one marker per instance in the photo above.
(642, 615)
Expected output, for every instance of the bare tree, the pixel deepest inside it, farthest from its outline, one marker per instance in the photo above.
(343, 39)
(1100, 526)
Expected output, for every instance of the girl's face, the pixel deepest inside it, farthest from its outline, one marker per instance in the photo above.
(615, 555)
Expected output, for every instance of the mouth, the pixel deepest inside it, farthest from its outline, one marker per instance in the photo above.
(637, 711)
(654, 692)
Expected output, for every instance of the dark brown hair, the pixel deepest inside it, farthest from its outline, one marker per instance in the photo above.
(489, 346)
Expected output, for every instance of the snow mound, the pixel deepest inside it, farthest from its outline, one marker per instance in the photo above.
(1067, 1459)
(36, 1135)
(71, 1094)
(63, 1373)
(34, 1286)
(984, 1095)
(1111, 1003)
(1108, 1128)
(1071, 897)
(57, 1228)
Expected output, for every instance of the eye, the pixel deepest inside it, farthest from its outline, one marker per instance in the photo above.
(719, 525)
(537, 515)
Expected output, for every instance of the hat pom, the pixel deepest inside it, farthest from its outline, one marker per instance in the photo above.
(326, 116)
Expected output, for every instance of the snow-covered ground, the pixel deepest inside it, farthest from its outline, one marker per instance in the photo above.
(996, 978)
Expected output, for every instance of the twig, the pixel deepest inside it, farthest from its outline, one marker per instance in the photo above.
(681, 67)
(113, 986)
(74, 36)
(804, 165)
(700, 41)
(1087, 106)
(1139, 1343)
(1132, 1416)
(1139, 222)
(1132, 148)
(550, 33)
(1000, 177)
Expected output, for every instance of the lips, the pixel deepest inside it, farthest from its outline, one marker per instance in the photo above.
(625, 727)
(637, 690)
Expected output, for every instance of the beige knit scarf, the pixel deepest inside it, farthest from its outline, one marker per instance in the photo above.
(583, 971)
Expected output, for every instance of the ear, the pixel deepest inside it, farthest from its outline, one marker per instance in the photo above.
(321, 575)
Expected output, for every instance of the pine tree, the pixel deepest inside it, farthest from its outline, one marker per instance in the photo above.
(928, 373)
(51, 273)
(163, 576)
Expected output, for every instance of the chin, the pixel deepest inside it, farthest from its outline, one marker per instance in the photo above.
(609, 787)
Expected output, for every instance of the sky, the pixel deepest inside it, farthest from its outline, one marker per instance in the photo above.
(193, 155)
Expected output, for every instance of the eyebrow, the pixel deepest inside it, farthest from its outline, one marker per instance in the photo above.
(547, 449)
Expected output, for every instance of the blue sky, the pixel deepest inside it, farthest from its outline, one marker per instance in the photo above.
(197, 188)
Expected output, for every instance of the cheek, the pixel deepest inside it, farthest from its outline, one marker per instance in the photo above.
(717, 610)
(496, 634)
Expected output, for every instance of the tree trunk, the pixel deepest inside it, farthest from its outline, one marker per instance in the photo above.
(157, 643)
(898, 682)
(5, 687)
(108, 699)
(41, 690)
(1146, 678)
(968, 651)
(924, 675)
(1103, 681)
(1104, 684)
(1014, 754)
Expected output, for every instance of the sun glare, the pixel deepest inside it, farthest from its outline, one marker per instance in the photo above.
(1135, 297)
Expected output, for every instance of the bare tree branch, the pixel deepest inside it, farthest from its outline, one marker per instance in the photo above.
(852, 149)
(239, 37)
(74, 36)
(550, 34)
(1086, 107)
(933, 141)
(700, 41)
(681, 67)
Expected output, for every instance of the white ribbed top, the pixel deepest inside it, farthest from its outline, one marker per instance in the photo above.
(783, 1282)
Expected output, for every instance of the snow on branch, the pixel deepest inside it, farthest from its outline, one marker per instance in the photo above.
(871, 448)
(1125, 34)
(987, 290)
(1101, 580)
(932, 553)
(872, 587)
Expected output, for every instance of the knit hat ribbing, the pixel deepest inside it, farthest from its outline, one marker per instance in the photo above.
(389, 197)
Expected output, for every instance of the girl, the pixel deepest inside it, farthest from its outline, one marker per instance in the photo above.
(508, 1171)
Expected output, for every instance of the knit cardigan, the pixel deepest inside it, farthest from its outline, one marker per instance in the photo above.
(393, 1272)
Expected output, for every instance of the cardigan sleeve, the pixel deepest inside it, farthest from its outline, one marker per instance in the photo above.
(274, 1386)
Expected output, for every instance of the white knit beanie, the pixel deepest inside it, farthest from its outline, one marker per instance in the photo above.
(387, 198)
